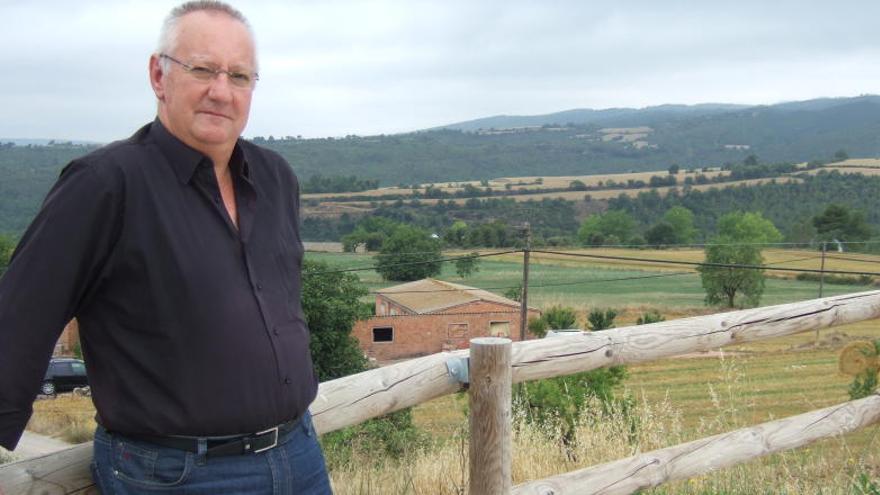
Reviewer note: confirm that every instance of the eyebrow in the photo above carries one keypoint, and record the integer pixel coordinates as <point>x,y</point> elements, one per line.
<point>208,61</point>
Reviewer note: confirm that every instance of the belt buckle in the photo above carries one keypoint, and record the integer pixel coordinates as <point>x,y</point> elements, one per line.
<point>274,441</point>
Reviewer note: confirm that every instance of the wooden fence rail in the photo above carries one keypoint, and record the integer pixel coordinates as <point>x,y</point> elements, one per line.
<point>709,454</point>
<point>356,398</point>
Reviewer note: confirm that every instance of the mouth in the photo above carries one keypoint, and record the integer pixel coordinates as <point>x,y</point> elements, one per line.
<point>215,114</point>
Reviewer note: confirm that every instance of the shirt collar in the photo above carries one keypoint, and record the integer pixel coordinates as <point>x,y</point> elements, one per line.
<point>185,160</point>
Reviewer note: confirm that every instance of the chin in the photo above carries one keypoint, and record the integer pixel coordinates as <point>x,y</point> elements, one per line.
<point>216,135</point>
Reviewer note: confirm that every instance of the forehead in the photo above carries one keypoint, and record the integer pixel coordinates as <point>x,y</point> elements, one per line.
<point>216,37</point>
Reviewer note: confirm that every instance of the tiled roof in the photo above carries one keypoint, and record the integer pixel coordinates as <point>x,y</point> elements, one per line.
<point>430,296</point>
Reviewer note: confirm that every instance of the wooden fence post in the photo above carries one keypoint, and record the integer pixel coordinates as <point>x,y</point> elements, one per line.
<point>490,416</point>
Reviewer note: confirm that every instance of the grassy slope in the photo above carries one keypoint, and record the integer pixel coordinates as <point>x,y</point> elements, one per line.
<point>752,383</point>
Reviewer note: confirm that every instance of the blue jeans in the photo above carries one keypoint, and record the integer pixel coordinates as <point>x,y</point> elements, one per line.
<point>123,465</point>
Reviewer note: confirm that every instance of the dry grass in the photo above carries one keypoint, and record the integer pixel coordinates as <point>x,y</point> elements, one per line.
<point>677,400</point>
<point>783,258</point>
<point>858,162</point>
<point>522,183</point>
<point>685,399</point>
<point>596,195</point>
<point>555,182</point>
<point>849,169</point>
<point>7,456</point>
<point>67,417</point>
<point>827,467</point>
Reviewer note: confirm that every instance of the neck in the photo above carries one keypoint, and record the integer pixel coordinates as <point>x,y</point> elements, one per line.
<point>219,154</point>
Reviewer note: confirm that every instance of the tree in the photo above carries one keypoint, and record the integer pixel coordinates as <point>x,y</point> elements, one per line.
<point>409,254</point>
<point>750,161</point>
<point>738,243</point>
<point>841,155</point>
<point>601,320</point>
<point>331,304</point>
<point>371,232</point>
<point>839,222</point>
<point>661,234</point>
<point>465,266</point>
<point>456,234</point>
<point>558,403</point>
<point>577,185</point>
<point>560,317</point>
<point>651,316</point>
<point>674,168</point>
<point>682,221</point>
<point>515,294</point>
<point>614,226</point>
<point>6,248</point>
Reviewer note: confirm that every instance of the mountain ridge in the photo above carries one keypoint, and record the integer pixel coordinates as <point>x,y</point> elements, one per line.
<point>616,115</point>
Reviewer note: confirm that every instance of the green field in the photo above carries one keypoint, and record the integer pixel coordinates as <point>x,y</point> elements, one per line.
<point>684,398</point>
<point>585,285</point>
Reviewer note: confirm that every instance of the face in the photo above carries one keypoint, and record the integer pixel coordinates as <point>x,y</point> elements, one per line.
<point>206,115</point>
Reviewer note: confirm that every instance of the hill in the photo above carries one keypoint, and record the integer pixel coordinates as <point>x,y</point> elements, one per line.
<point>611,117</point>
<point>598,141</point>
<point>586,142</point>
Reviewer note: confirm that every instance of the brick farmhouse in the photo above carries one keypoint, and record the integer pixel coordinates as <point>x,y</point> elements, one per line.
<point>429,316</point>
<point>68,340</point>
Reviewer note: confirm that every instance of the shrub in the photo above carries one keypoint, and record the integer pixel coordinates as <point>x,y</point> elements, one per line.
<point>836,279</point>
<point>390,437</point>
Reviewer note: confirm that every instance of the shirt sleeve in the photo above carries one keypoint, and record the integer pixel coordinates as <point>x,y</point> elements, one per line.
<point>56,265</point>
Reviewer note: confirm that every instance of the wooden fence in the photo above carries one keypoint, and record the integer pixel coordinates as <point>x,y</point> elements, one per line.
<point>356,398</point>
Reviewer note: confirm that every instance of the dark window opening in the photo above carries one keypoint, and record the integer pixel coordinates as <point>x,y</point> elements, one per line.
<point>383,334</point>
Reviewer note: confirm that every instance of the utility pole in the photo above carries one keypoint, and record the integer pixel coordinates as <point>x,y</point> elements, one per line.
<point>524,296</point>
<point>821,281</point>
<point>822,269</point>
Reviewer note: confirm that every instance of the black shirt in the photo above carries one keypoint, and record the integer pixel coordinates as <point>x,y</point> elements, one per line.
<point>188,325</point>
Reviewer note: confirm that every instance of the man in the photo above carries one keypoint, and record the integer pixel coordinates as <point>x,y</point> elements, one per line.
<point>178,251</point>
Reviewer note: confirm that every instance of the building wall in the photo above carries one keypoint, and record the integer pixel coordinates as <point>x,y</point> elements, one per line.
<point>68,340</point>
<point>420,335</point>
<point>386,307</point>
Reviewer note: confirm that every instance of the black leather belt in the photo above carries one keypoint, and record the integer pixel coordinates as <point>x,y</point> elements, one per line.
<point>252,443</point>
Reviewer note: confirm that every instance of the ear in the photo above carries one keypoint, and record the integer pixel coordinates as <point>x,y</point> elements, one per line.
<point>157,77</point>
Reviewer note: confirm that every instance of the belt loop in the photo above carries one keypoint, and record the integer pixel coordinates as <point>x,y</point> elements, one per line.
<point>202,453</point>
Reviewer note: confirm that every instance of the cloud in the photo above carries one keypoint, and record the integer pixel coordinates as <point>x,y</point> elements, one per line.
<point>340,67</point>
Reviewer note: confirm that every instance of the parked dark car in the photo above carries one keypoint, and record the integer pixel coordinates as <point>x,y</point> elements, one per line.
<point>64,375</point>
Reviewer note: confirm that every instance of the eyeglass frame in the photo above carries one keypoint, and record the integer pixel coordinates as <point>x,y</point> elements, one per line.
<point>198,70</point>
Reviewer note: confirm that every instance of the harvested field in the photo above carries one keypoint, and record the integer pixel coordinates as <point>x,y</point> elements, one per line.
<point>787,258</point>
<point>858,162</point>
<point>596,195</point>
<point>524,183</point>
<point>848,169</point>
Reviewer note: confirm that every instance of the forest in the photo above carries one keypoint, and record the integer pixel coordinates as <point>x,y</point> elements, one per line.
<point>493,222</point>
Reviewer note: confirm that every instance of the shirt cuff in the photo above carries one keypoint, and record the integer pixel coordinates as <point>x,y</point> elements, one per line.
<point>12,426</point>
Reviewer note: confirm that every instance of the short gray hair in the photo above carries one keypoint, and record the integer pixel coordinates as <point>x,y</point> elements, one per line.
<point>168,34</point>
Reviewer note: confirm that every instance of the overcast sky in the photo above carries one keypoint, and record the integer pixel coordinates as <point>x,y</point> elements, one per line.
<point>78,69</point>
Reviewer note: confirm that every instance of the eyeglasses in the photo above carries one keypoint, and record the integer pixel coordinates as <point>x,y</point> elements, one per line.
<point>238,79</point>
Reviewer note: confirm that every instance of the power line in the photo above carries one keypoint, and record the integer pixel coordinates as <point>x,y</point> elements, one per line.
<point>471,313</point>
<point>704,264</point>
<point>845,258</point>
<point>579,282</point>
<point>766,266</point>
<point>411,263</point>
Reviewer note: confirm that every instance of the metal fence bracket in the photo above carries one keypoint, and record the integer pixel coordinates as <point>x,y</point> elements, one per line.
<point>458,368</point>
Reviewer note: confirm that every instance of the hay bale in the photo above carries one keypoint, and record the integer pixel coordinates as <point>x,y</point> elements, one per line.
<point>858,357</point>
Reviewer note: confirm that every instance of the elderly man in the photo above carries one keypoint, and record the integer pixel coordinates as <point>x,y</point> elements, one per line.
<point>178,251</point>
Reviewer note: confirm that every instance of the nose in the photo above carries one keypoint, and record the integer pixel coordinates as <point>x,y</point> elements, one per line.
<point>220,89</point>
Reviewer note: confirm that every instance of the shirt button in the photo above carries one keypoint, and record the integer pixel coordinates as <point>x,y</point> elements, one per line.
<point>275,330</point>
<point>217,200</point>
<point>259,286</point>
<point>288,381</point>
